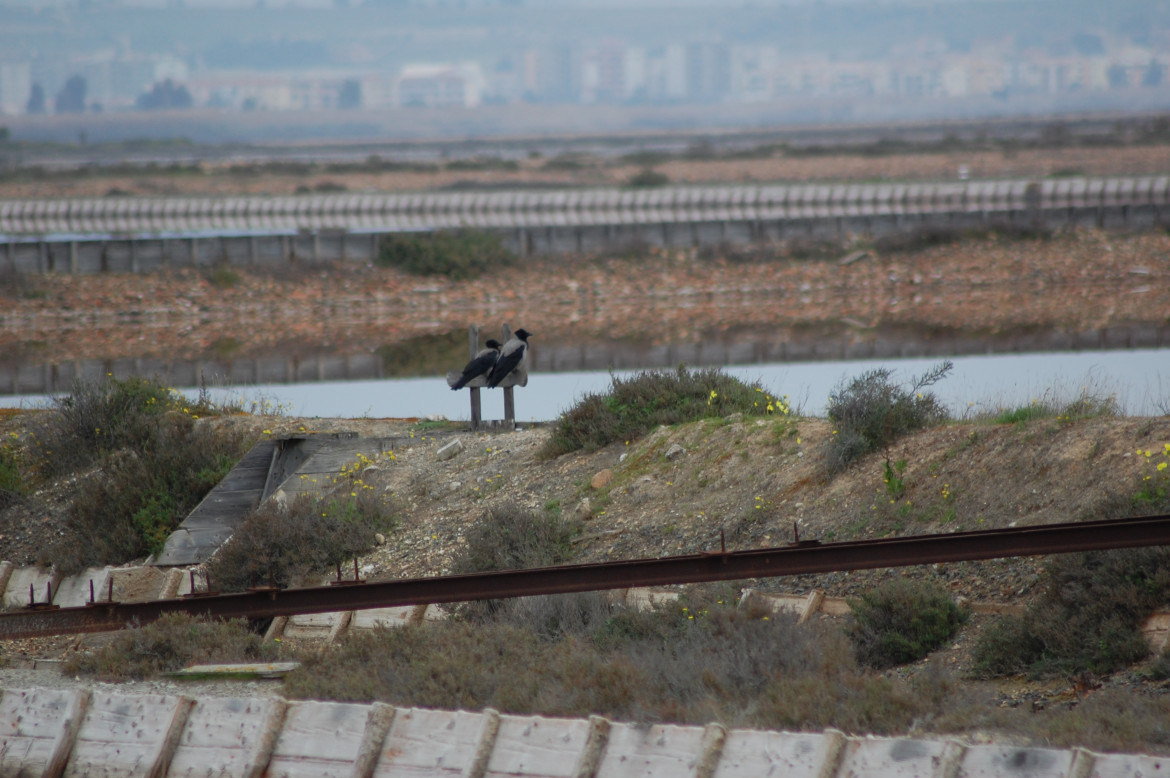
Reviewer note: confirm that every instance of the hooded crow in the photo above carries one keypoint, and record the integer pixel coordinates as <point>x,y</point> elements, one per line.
<point>481,364</point>
<point>512,356</point>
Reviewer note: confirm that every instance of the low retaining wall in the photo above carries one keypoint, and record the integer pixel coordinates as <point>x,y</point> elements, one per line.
<point>54,732</point>
<point>141,234</point>
<point>86,254</point>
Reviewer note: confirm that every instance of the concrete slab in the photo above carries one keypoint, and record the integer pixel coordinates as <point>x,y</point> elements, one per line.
<point>127,735</point>
<point>778,754</point>
<point>319,740</point>
<point>227,736</point>
<point>16,594</point>
<point>312,625</point>
<point>1010,762</point>
<point>37,727</point>
<point>76,590</point>
<point>537,746</point>
<point>431,744</point>
<point>659,751</point>
<point>883,757</point>
<point>1129,766</point>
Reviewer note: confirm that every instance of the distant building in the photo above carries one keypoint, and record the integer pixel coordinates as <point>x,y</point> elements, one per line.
<point>551,74</point>
<point>437,86</point>
<point>15,87</point>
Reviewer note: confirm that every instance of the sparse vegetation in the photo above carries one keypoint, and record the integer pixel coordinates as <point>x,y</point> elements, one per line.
<point>902,621</point>
<point>870,412</point>
<point>647,178</point>
<point>1086,405</point>
<point>173,642</point>
<point>12,480</point>
<point>285,542</point>
<point>457,255</point>
<point>1153,494</point>
<point>1087,619</point>
<point>509,537</point>
<point>635,405</point>
<point>590,656</point>
<point>143,464</point>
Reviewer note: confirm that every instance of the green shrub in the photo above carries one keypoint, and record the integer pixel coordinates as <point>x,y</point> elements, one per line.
<point>13,481</point>
<point>648,177</point>
<point>509,537</point>
<point>457,255</point>
<point>147,462</point>
<point>635,405</point>
<point>283,543</point>
<point>869,413</point>
<point>101,416</point>
<point>138,496</point>
<point>1088,618</point>
<point>173,642</point>
<point>902,621</point>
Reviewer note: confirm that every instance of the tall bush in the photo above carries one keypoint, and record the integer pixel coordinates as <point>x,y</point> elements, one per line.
<point>457,255</point>
<point>870,412</point>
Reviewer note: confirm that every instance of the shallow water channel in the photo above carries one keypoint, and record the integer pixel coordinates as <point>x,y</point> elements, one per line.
<point>1139,379</point>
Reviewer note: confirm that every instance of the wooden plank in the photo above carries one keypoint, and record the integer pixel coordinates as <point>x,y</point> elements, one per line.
<point>538,747</point>
<point>224,506</point>
<point>244,479</point>
<point>658,750</point>
<point>37,729</point>
<point>241,670</point>
<point>228,736</point>
<point>259,456</point>
<point>748,752</point>
<point>320,740</point>
<point>127,735</point>
<point>431,744</point>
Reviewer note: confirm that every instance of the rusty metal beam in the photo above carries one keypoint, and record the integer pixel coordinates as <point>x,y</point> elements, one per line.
<point>796,559</point>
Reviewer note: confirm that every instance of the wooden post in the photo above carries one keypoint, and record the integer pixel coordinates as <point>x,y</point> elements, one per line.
<point>473,338</point>
<point>509,398</point>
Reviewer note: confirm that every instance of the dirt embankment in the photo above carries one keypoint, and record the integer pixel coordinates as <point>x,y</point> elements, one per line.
<point>221,179</point>
<point>1073,283</point>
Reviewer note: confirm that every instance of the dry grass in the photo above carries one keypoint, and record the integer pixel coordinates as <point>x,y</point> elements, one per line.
<point>171,643</point>
<point>692,663</point>
<point>284,543</point>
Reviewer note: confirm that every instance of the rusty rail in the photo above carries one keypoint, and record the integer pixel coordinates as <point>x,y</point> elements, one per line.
<point>795,559</point>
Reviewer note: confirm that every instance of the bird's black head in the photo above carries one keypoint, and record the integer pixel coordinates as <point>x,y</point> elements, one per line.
<point>492,343</point>
<point>523,335</point>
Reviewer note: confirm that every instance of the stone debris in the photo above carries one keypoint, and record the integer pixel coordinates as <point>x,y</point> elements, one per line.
<point>449,450</point>
<point>601,479</point>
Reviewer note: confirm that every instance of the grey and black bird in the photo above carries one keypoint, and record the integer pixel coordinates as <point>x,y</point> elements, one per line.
<point>512,356</point>
<point>481,364</point>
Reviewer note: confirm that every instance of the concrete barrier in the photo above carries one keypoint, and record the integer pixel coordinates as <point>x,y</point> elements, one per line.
<point>127,735</point>
<point>323,227</point>
<point>228,736</point>
<point>76,732</point>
